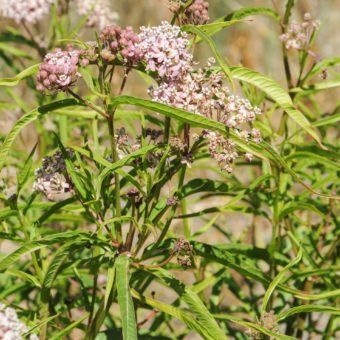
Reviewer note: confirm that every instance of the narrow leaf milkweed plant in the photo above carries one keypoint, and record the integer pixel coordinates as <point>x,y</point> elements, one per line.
<point>163,194</point>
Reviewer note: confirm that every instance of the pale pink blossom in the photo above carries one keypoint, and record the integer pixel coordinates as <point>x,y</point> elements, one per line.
<point>59,70</point>
<point>165,51</point>
<point>30,11</point>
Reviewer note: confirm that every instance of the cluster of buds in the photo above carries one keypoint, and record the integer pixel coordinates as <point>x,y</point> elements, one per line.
<point>135,196</point>
<point>89,53</point>
<point>30,11</point>
<point>197,13</point>
<point>52,179</point>
<point>174,5</point>
<point>298,35</point>
<point>11,328</point>
<point>222,149</point>
<point>98,12</point>
<point>267,321</point>
<point>164,50</point>
<point>59,70</point>
<point>153,134</point>
<point>184,251</point>
<point>177,144</point>
<point>120,41</point>
<point>127,145</point>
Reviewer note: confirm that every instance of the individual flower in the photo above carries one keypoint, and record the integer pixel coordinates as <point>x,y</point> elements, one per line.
<point>197,13</point>
<point>297,35</point>
<point>165,51</point>
<point>59,70</point>
<point>30,11</point>
<point>52,179</point>
<point>120,41</point>
<point>99,12</point>
<point>11,328</point>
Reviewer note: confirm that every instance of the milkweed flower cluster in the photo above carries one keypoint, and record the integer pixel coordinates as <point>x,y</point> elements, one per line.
<point>52,179</point>
<point>298,35</point>
<point>99,12</point>
<point>11,328</point>
<point>124,41</point>
<point>165,51</point>
<point>59,70</point>
<point>203,92</point>
<point>197,13</point>
<point>30,11</point>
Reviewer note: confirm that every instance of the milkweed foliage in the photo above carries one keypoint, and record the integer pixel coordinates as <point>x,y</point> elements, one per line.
<point>162,198</point>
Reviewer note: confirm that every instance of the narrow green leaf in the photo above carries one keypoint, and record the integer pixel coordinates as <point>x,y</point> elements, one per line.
<point>15,52</point>
<point>68,329</point>
<point>277,280</point>
<point>27,119</point>
<point>24,276</point>
<point>125,302</point>
<point>22,75</point>
<point>308,309</point>
<point>195,304</point>
<point>249,11</point>
<point>180,314</point>
<point>277,93</point>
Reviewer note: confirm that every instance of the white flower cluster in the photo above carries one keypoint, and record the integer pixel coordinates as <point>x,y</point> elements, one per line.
<point>99,12</point>
<point>11,328</point>
<point>30,11</point>
<point>298,35</point>
<point>165,51</point>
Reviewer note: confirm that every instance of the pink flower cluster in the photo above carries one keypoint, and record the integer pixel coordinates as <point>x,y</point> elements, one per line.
<point>165,51</point>
<point>25,10</point>
<point>98,12</point>
<point>222,149</point>
<point>202,92</point>
<point>197,13</point>
<point>124,41</point>
<point>11,328</point>
<point>298,35</point>
<point>59,70</point>
<point>238,111</point>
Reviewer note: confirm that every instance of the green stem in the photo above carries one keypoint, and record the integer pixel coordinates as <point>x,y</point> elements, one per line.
<point>186,225</point>
<point>118,226</point>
